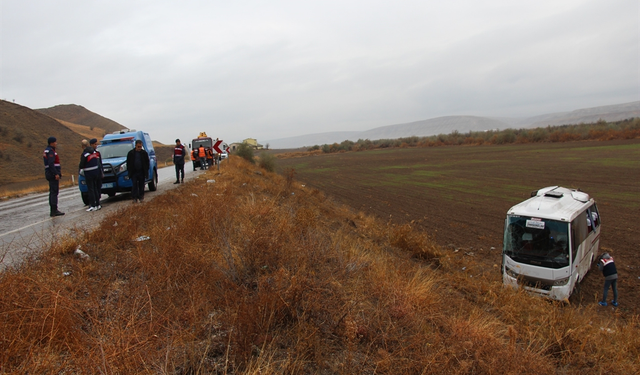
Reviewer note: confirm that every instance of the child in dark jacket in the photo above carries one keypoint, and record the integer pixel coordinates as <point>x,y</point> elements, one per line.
<point>608,268</point>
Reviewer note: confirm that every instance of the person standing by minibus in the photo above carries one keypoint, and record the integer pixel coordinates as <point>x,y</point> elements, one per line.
<point>608,268</point>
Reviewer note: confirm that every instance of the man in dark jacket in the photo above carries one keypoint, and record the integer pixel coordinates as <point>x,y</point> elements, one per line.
<point>178,160</point>
<point>138,170</point>
<point>91,168</point>
<point>610,273</point>
<point>53,173</point>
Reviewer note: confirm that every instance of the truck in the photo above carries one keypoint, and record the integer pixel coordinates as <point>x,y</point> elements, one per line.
<point>202,140</point>
<point>113,149</point>
<point>550,242</point>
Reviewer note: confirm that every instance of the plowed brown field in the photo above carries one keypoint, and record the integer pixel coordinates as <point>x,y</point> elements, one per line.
<point>460,195</point>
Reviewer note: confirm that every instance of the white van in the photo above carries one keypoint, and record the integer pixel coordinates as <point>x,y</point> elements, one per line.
<point>550,241</point>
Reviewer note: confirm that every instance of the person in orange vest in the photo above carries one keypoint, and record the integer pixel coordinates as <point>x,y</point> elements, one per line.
<point>209,156</point>
<point>202,155</point>
<point>194,154</point>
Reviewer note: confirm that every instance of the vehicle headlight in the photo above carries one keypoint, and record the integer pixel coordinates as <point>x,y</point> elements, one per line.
<point>561,282</point>
<point>510,272</point>
<point>121,168</point>
<point>83,182</point>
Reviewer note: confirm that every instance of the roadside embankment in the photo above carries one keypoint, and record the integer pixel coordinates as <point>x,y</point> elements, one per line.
<point>247,271</point>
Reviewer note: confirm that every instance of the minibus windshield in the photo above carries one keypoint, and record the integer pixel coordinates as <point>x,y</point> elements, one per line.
<point>539,242</point>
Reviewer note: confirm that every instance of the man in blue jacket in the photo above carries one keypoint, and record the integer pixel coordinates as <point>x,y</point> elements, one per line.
<point>90,168</point>
<point>53,173</point>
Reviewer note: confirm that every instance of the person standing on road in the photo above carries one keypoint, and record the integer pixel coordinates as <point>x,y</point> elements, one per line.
<point>178,160</point>
<point>608,268</point>
<point>202,155</point>
<point>90,169</point>
<point>210,157</point>
<point>53,173</point>
<point>138,169</point>
<point>194,158</point>
<point>94,144</point>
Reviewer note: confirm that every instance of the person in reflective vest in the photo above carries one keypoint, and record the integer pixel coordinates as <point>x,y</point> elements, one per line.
<point>178,160</point>
<point>202,155</point>
<point>90,169</point>
<point>94,143</point>
<point>209,156</point>
<point>608,268</point>
<point>53,173</point>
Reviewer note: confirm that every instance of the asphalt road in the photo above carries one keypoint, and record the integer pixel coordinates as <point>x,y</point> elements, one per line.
<point>26,228</point>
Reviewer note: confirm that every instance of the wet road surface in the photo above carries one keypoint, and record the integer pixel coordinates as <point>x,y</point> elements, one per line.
<point>26,228</point>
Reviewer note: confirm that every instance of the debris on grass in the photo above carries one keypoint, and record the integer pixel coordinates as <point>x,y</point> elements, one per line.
<point>81,254</point>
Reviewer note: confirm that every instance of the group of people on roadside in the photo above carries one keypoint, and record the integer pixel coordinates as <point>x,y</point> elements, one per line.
<point>205,156</point>
<point>91,168</point>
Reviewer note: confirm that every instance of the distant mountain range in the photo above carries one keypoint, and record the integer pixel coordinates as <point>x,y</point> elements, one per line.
<point>463,124</point>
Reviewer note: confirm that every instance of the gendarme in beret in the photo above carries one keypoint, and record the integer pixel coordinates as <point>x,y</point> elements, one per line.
<point>51,140</point>
<point>92,141</point>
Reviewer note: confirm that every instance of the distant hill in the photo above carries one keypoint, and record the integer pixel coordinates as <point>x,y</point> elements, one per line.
<point>79,115</point>
<point>164,153</point>
<point>309,140</point>
<point>23,138</point>
<point>463,124</point>
<point>439,125</point>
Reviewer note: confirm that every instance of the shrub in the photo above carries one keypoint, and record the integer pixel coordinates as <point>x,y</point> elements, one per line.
<point>267,162</point>
<point>245,151</point>
<point>601,130</point>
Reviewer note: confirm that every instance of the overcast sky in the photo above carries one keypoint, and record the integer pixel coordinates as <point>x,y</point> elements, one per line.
<point>275,69</point>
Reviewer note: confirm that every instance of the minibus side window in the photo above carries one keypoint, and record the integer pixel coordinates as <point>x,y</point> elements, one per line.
<point>594,215</point>
<point>579,232</point>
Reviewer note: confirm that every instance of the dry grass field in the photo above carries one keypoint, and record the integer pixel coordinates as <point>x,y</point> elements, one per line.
<point>257,274</point>
<point>87,132</point>
<point>460,195</point>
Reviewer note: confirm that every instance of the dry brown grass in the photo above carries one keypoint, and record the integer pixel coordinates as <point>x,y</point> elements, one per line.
<point>84,130</point>
<point>283,280</point>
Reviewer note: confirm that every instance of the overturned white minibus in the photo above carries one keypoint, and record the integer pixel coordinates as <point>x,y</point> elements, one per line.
<point>550,241</point>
